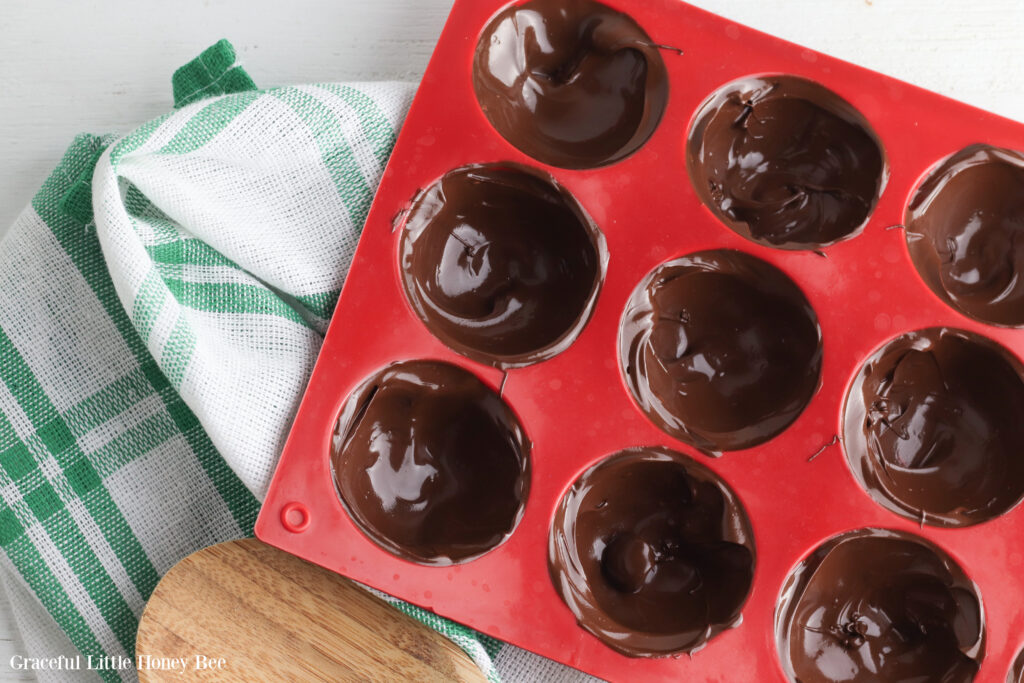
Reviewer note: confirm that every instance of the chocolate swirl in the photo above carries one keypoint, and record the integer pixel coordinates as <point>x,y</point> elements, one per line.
<point>430,463</point>
<point>501,263</point>
<point>571,83</point>
<point>785,162</point>
<point>652,552</point>
<point>875,605</point>
<point>933,428</point>
<point>963,228</point>
<point>720,349</point>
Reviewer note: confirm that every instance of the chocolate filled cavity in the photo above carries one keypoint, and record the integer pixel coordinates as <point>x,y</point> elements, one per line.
<point>933,428</point>
<point>652,552</point>
<point>571,83</point>
<point>430,463</point>
<point>785,162</point>
<point>1016,672</point>
<point>875,605</point>
<point>720,350</point>
<point>963,227</point>
<point>501,264</point>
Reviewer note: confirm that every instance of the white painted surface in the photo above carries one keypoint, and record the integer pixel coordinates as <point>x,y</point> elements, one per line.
<point>9,647</point>
<point>105,66</point>
<point>100,67</point>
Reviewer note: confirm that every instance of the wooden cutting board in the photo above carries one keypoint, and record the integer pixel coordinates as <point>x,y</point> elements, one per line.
<point>257,613</point>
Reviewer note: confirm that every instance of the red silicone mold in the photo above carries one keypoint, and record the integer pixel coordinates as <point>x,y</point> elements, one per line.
<point>575,407</point>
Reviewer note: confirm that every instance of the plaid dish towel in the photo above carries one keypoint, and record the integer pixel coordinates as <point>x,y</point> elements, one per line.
<point>162,302</point>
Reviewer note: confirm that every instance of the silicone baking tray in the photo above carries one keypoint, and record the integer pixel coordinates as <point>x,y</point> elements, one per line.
<point>575,407</point>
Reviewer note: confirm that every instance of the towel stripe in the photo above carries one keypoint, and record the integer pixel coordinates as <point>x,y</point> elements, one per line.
<point>88,259</point>
<point>70,463</point>
<point>53,475</point>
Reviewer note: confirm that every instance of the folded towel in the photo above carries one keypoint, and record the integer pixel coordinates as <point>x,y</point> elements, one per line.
<point>162,302</point>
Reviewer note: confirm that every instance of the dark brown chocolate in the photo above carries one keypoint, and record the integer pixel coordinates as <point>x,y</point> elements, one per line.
<point>572,83</point>
<point>501,263</point>
<point>785,162</point>
<point>1016,672</point>
<point>720,349</point>
<point>430,463</point>
<point>875,605</point>
<point>652,552</point>
<point>933,428</point>
<point>963,228</point>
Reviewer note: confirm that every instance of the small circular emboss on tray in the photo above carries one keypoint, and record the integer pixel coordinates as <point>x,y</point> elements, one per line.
<point>876,605</point>
<point>965,233</point>
<point>652,552</point>
<point>571,83</point>
<point>430,463</point>
<point>785,162</point>
<point>934,427</point>
<point>720,349</point>
<point>501,263</point>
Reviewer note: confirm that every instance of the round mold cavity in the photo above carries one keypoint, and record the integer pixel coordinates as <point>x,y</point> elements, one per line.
<point>932,427</point>
<point>430,463</point>
<point>785,162</point>
<point>652,552</point>
<point>965,233</point>
<point>501,263</point>
<point>872,605</point>
<point>720,350</point>
<point>570,83</point>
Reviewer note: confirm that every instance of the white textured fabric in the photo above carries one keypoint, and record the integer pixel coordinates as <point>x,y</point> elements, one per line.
<point>40,635</point>
<point>265,200</point>
<point>262,194</point>
<point>152,358</point>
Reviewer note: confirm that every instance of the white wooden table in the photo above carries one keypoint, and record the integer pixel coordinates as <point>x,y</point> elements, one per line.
<point>8,645</point>
<point>105,66</point>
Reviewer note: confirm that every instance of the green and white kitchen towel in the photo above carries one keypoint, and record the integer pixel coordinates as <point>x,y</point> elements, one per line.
<point>162,302</point>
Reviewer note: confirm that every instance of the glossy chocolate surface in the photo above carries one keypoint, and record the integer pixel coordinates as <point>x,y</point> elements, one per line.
<point>785,162</point>
<point>720,349</point>
<point>501,263</point>
<point>965,233</point>
<point>430,463</point>
<point>1016,672</point>
<point>652,553</point>
<point>874,605</point>
<point>933,428</point>
<point>571,83</point>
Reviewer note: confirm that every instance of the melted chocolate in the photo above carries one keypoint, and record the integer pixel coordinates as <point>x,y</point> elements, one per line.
<point>963,228</point>
<point>934,429</point>
<point>652,553</point>
<point>572,83</point>
<point>1016,672</point>
<point>875,605</point>
<point>501,263</point>
<point>720,349</point>
<point>785,162</point>
<point>430,463</point>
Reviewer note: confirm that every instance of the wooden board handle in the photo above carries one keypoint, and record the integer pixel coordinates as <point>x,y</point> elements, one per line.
<point>257,613</point>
